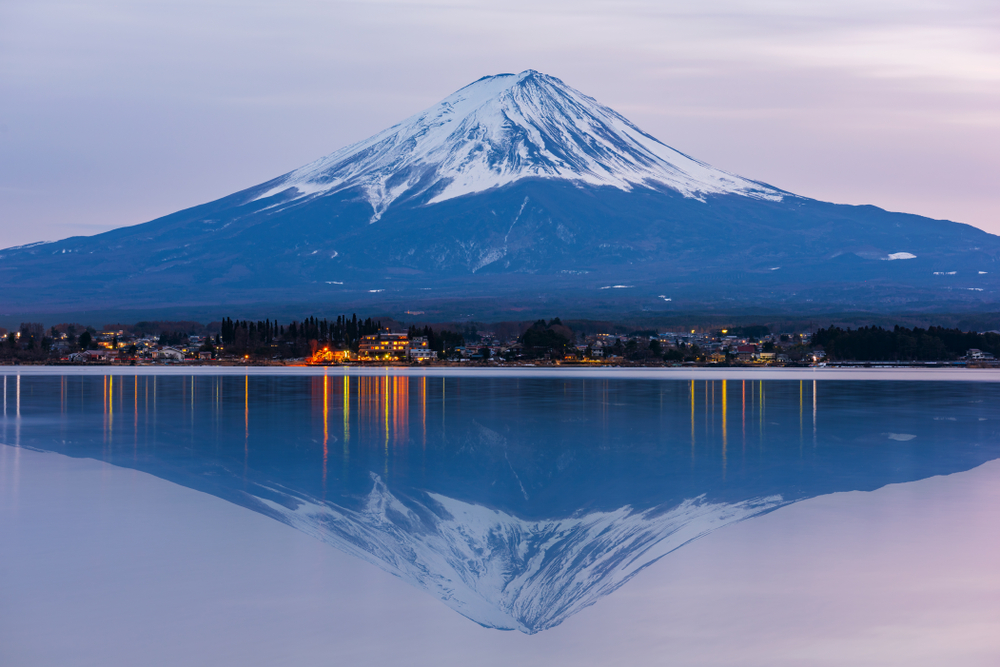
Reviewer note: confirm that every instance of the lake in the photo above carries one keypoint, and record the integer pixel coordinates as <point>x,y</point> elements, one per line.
<point>262,517</point>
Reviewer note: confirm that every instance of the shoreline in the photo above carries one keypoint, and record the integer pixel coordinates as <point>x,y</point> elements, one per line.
<point>640,373</point>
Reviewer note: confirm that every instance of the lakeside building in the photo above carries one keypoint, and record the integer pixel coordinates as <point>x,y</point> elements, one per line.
<point>169,353</point>
<point>419,349</point>
<point>328,356</point>
<point>384,345</point>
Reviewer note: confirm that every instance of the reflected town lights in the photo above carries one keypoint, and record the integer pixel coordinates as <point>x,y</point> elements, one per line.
<point>347,417</point>
<point>326,424</point>
<point>725,440</point>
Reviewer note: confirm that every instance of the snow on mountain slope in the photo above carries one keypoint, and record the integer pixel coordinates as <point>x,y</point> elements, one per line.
<point>501,571</point>
<point>501,129</point>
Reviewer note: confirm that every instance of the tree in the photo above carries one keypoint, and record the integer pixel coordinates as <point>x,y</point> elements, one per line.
<point>552,339</point>
<point>86,340</point>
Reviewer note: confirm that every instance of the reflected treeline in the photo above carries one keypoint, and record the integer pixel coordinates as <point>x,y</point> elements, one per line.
<point>517,501</point>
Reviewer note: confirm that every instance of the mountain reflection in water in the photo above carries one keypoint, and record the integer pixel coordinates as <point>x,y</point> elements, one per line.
<point>516,501</point>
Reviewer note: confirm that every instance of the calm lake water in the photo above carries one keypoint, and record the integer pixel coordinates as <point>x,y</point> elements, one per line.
<point>517,503</point>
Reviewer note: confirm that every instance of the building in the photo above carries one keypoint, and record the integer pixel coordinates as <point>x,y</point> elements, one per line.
<point>746,352</point>
<point>168,353</point>
<point>384,345</point>
<point>91,355</point>
<point>328,356</point>
<point>420,350</point>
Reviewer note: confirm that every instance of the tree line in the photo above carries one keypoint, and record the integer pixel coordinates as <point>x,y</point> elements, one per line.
<point>902,344</point>
<point>297,338</point>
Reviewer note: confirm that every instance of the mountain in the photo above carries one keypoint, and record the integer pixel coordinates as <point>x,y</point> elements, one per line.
<point>515,194</point>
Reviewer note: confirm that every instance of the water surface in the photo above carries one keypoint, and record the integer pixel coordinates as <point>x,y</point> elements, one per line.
<point>516,501</point>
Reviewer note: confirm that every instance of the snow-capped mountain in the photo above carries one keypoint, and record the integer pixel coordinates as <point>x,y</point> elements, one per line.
<point>502,571</point>
<point>521,176</point>
<point>499,130</point>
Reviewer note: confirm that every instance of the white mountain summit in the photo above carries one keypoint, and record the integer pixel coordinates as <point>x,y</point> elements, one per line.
<point>501,129</point>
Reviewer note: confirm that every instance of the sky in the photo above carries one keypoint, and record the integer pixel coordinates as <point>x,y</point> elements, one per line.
<point>116,112</point>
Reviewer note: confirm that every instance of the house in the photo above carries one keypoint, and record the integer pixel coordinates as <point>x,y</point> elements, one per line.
<point>91,355</point>
<point>419,349</point>
<point>746,352</point>
<point>978,355</point>
<point>421,354</point>
<point>326,356</point>
<point>170,353</point>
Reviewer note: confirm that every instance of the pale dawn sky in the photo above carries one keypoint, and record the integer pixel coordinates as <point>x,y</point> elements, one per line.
<point>115,112</point>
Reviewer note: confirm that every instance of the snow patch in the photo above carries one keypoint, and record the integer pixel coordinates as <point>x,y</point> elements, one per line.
<point>617,287</point>
<point>901,437</point>
<point>900,255</point>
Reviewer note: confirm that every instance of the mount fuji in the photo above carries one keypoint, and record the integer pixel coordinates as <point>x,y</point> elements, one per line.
<point>515,194</point>
<point>504,129</point>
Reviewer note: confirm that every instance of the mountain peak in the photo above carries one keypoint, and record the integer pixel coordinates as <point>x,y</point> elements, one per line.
<point>498,130</point>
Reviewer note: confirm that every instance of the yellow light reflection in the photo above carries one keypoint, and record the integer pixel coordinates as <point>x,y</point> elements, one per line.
<point>246,424</point>
<point>814,413</point>
<point>760,414</point>
<point>744,415</point>
<point>326,424</point>
<point>384,389</point>
<point>725,441</point>
<point>691,391</point>
<point>347,417</point>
